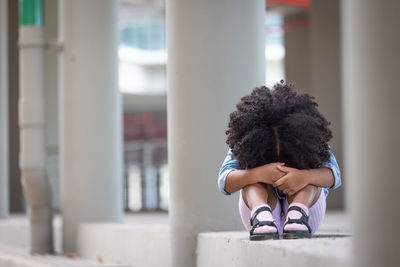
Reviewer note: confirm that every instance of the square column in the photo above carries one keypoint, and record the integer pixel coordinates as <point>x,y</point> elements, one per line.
<point>215,56</point>
<point>371,94</point>
<point>90,116</point>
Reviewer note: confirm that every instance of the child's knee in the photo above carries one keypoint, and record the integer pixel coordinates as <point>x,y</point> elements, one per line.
<point>309,194</point>
<point>312,189</point>
<point>259,190</point>
<point>257,186</point>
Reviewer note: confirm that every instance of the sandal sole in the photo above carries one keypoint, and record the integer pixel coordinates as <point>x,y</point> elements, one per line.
<point>264,237</point>
<point>296,235</point>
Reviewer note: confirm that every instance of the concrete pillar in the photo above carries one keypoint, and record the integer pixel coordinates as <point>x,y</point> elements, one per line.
<point>4,202</point>
<point>297,51</point>
<point>371,79</point>
<point>17,203</point>
<point>326,78</point>
<point>215,56</point>
<point>90,116</point>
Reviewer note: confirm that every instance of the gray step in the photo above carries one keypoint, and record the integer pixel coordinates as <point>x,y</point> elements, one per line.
<point>12,256</point>
<point>234,249</point>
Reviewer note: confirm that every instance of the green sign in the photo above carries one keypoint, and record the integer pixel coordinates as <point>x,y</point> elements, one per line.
<point>31,13</point>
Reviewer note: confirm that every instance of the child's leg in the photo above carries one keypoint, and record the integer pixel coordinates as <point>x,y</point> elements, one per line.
<point>312,200</point>
<point>259,194</point>
<point>254,196</point>
<point>307,196</point>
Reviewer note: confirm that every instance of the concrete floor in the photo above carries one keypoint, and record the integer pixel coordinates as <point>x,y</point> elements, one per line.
<point>143,240</point>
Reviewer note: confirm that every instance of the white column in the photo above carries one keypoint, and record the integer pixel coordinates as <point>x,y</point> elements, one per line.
<point>4,202</point>
<point>90,116</point>
<point>371,95</point>
<point>215,56</point>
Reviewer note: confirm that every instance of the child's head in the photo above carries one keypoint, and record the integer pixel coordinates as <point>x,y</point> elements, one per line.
<point>278,125</point>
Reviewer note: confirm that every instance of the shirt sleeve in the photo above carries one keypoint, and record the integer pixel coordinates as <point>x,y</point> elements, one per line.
<point>229,164</point>
<point>333,165</point>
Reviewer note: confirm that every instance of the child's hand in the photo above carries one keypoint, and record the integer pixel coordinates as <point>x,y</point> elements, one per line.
<point>268,173</point>
<point>293,181</point>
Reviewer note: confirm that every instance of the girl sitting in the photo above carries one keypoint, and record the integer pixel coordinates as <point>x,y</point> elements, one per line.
<point>280,160</point>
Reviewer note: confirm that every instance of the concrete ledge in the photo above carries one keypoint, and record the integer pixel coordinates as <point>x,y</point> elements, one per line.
<point>14,231</point>
<point>234,249</point>
<point>141,240</point>
<point>330,246</point>
<point>18,257</point>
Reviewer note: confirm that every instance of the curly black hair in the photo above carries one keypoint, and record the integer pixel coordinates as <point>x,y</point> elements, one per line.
<point>278,125</point>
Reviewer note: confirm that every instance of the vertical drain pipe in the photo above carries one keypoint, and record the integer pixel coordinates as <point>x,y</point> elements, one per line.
<point>31,111</point>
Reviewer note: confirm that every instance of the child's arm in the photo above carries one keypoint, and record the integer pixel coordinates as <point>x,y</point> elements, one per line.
<point>296,179</point>
<point>321,177</point>
<point>231,178</point>
<point>238,179</point>
<point>327,176</point>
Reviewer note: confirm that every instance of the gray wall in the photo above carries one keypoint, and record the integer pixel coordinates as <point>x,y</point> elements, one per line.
<point>312,62</point>
<point>325,69</point>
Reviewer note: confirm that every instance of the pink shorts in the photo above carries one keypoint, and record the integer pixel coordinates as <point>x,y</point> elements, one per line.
<point>317,213</point>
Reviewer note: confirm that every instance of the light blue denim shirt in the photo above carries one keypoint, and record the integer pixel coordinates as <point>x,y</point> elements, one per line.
<point>230,164</point>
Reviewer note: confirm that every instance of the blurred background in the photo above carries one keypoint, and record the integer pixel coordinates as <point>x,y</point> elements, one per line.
<point>142,58</point>
<point>113,118</point>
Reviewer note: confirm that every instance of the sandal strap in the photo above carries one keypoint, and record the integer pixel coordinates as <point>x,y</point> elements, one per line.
<point>304,219</point>
<point>297,208</point>
<point>255,223</point>
<point>263,223</point>
<point>254,220</point>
